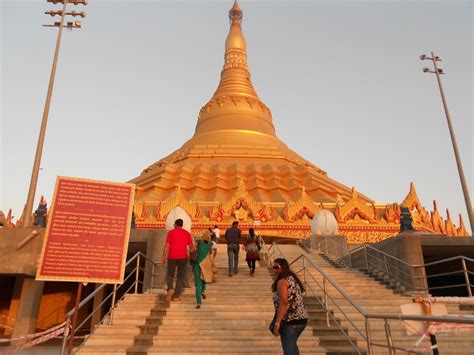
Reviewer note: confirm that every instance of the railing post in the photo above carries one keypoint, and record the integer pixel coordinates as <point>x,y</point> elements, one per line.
<point>466,276</point>
<point>152,277</point>
<point>137,272</point>
<point>65,335</point>
<point>368,336</point>
<point>388,334</point>
<point>366,258</point>
<point>113,305</point>
<point>349,256</point>
<point>326,302</point>
<point>425,280</point>
<point>386,266</point>
<point>304,274</point>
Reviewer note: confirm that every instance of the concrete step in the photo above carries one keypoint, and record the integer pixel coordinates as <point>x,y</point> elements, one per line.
<point>202,341</point>
<point>242,349</point>
<point>230,323</point>
<point>211,330</point>
<point>220,322</point>
<point>219,315</point>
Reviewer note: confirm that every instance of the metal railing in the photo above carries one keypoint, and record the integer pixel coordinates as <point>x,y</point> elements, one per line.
<point>134,282</point>
<point>330,304</point>
<point>396,271</point>
<point>332,247</point>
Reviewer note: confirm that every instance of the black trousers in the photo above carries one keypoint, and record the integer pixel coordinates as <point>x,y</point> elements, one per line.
<point>251,264</point>
<point>180,264</point>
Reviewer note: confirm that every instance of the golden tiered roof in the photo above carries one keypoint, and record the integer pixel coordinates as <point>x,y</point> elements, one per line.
<point>236,168</point>
<point>235,143</point>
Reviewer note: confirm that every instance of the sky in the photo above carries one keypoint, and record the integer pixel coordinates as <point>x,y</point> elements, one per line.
<point>343,80</point>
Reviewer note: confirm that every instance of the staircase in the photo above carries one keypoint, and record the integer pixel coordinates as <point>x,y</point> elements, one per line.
<point>374,297</point>
<point>233,319</point>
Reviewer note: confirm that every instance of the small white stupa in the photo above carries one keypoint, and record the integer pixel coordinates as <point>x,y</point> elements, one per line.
<point>176,213</point>
<point>324,223</point>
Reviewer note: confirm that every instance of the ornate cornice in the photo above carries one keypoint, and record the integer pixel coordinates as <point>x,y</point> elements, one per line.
<point>237,101</point>
<point>178,199</point>
<point>437,221</point>
<point>242,205</point>
<point>355,207</point>
<point>235,59</point>
<point>412,202</point>
<point>304,205</point>
<point>451,231</point>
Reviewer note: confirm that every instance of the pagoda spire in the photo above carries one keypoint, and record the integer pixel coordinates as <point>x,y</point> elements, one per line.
<point>235,75</point>
<point>235,105</point>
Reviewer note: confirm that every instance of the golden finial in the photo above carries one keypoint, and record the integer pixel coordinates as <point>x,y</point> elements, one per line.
<point>235,14</point>
<point>235,39</point>
<point>448,215</point>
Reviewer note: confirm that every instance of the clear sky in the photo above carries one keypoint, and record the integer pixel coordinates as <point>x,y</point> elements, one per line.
<point>342,78</point>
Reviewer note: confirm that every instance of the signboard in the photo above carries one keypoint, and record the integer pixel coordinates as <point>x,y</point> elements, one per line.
<point>86,238</point>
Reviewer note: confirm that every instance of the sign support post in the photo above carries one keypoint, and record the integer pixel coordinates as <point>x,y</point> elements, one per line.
<point>74,317</point>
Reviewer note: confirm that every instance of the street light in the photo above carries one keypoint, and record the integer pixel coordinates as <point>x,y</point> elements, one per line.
<point>438,71</point>
<point>44,121</point>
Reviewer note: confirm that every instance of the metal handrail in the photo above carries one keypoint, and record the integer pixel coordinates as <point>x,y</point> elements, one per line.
<point>333,283</point>
<point>397,270</point>
<point>138,257</point>
<point>363,313</point>
<point>323,304</point>
<point>407,264</point>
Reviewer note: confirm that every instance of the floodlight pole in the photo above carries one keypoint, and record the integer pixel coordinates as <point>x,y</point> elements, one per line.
<point>465,189</point>
<point>44,121</point>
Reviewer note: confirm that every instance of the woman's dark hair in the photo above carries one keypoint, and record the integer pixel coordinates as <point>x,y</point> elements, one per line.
<point>251,232</point>
<point>285,272</point>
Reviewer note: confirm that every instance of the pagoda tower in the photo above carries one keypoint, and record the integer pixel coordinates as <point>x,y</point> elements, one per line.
<point>236,168</point>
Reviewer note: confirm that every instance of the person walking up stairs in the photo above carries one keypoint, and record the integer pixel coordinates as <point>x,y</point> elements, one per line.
<point>233,319</point>
<point>374,298</point>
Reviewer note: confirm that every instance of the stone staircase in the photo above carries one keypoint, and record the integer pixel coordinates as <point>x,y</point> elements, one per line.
<point>373,297</point>
<point>233,319</point>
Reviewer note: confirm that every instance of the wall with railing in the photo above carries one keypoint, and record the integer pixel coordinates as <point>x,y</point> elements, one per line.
<point>451,276</point>
<point>103,300</point>
<point>357,320</point>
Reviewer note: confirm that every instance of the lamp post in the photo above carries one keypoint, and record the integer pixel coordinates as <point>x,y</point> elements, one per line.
<point>44,121</point>
<point>438,71</point>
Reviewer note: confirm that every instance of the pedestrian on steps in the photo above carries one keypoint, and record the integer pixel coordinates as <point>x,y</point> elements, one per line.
<point>202,268</point>
<point>291,315</point>
<point>232,237</point>
<point>178,245</point>
<point>214,241</point>
<point>251,248</point>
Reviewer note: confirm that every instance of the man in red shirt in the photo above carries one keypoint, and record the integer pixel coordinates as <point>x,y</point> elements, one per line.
<point>178,246</point>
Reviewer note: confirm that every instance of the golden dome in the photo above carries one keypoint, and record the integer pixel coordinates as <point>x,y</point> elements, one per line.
<point>235,148</point>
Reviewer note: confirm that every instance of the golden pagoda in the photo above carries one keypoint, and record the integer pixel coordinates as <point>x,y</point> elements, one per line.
<point>236,168</point>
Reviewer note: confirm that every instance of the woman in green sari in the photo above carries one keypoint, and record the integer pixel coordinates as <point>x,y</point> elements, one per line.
<point>203,246</point>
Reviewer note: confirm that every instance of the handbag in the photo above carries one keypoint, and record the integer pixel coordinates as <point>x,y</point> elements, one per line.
<point>193,257</point>
<point>271,327</point>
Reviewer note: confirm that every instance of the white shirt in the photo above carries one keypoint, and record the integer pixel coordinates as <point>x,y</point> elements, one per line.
<point>217,232</point>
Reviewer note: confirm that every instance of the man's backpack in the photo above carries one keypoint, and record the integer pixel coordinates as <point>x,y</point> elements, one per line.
<point>252,245</point>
